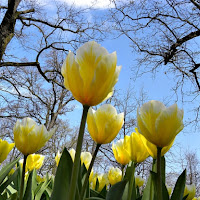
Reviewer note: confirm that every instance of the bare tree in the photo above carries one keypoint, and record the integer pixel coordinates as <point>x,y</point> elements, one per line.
<point>166,33</point>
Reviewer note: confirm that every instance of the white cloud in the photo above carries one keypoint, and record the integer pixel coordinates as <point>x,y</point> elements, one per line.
<point>101,4</point>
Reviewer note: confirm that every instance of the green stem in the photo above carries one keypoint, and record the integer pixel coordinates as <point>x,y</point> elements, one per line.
<point>159,174</point>
<point>75,170</point>
<point>122,168</point>
<point>88,172</point>
<point>22,180</point>
<point>130,188</point>
<point>154,169</point>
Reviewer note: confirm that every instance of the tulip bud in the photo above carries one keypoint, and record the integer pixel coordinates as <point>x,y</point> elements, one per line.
<point>29,137</point>
<point>104,124</point>
<point>114,175</point>
<point>158,124</point>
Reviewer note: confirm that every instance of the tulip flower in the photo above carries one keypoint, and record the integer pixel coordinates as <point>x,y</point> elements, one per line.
<point>92,74</point>
<point>34,161</point>
<point>114,175</point>
<point>93,179</point>
<point>190,190</point>
<point>103,181</point>
<point>104,124</point>
<point>72,153</point>
<point>120,152</point>
<point>57,158</point>
<point>40,179</point>
<point>5,149</point>
<point>29,137</point>
<point>151,148</point>
<point>135,147</point>
<point>86,158</point>
<point>139,181</point>
<point>159,124</point>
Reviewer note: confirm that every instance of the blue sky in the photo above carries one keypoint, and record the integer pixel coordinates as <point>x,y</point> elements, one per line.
<point>157,88</point>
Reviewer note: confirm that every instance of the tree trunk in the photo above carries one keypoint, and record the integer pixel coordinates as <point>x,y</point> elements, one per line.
<point>8,25</point>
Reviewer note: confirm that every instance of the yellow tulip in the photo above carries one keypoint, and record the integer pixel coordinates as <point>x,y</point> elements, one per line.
<point>93,180</point>
<point>86,158</point>
<point>159,124</point>
<point>72,153</point>
<point>104,124</point>
<point>139,181</point>
<point>92,74</point>
<point>29,137</point>
<point>136,148</point>
<point>57,158</point>
<point>40,179</point>
<point>120,152</point>
<point>191,190</point>
<point>114,175</point>
<point>103,181</point>
<point>34,161</point>
<point>152,149</point>
<point>5,149</point>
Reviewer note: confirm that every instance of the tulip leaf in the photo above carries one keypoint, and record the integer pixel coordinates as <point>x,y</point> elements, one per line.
<point>8,181</point>
<point>165,192</point>
<point>5,170</point>
<point>63,177</point>
<point>149,191</point>
<point>94,198</point>
<point>13,196</point>
<point>116,191</point>
<point>28,193</point>
<point>179,187</point>
<point>43,187</point>
<point>94,193</point>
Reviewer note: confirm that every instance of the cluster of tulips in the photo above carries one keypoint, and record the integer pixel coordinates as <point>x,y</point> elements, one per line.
<point>91,76</point>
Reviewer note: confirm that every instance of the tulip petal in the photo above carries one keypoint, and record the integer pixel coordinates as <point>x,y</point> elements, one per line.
<point>91,124</point>
<point>169,123</point>
<point>73,80</point>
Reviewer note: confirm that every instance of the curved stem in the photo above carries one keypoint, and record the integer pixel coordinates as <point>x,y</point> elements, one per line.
<point>130,188</point>
<point>88,172</point>
<point>75,170</point>
<point>159,174</point>
<point>22,180</point>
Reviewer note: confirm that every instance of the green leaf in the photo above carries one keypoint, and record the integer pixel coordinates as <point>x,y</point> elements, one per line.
<point>116,191</point>
<point>6,169</point>
<point>179,187</point>
<point>103,192</point>
<point>8,181</point>
<point>149,190</point>
<point>29,192</point>
<point>94,193</point>
<point>63,177</point>
<point>165,192</point>
<point>13,196</point>
<point>94,198</point>
<point>42,189</point>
